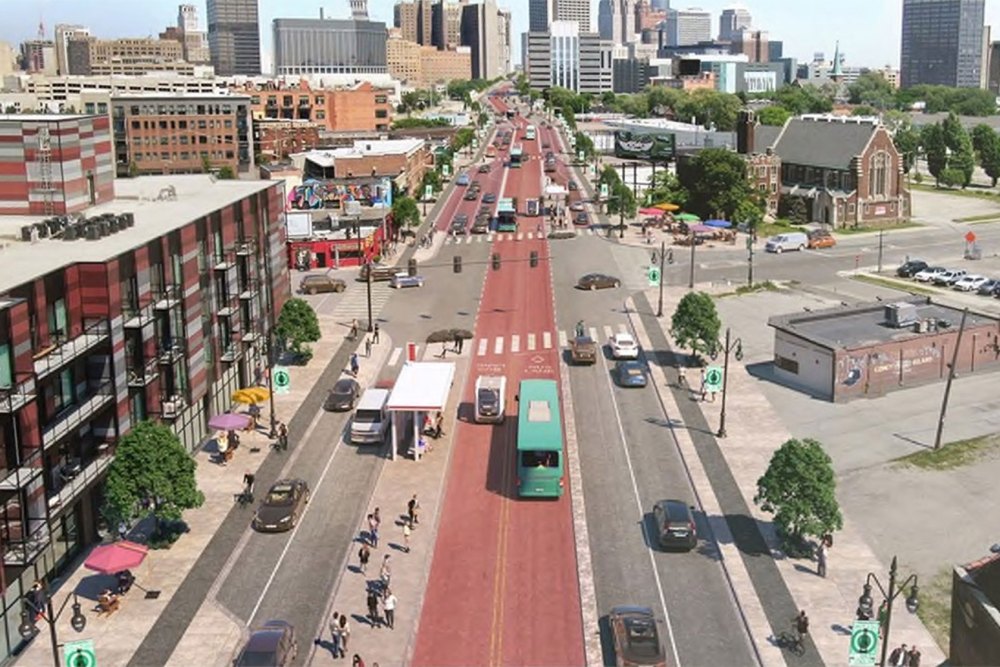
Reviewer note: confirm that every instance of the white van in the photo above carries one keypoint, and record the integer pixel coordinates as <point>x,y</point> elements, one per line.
<point>370,424</point>
<point>788,241</point>
<point>490,392</point>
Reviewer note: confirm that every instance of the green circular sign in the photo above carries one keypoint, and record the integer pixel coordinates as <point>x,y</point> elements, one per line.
<point>281,378</point>
<point>713,376</point>
<point>864,640</point>
<point>81,658</point>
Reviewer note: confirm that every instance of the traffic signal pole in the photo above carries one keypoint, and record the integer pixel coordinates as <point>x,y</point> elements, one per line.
<point>663,252</point>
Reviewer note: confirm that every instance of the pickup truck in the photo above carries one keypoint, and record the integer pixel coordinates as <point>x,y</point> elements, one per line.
<point>490,391</point>
<point>583,350</point>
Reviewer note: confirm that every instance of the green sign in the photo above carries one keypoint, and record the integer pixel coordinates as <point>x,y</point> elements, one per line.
<point>282,380</point>
<point>654,276</point>
<point>446,169</point>
<point>80,653</point>
<point>864,644</point>
<point>428,192</point>
<point>475,143</point>
<point>713,378</point>
<point>581,156</point>
<point>644,146</point>
<point>604,190</point>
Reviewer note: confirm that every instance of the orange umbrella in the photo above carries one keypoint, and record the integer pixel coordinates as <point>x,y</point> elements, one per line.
<point>667,206</point>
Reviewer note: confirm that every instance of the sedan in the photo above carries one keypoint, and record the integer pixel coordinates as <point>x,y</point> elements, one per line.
<point>282,506</point>
<point>406,280</point>
<point>636,637</point>
<point>272,644</point>
<point>316,284</point>
<point>929,274</point>
<point>630,374</point>
<point>484,169</point>
<point>576,206</point>
<point>623,346</point>
<point>911,268</point>
<point>949,277</point>
<point>821,239</point>
<point>989,288</point>
<point>489,198</point>
<point>471,195</point>
<point>573,186</point>
<point>969,283</point>
<point>581,219</point>
<point>463,179</point>
<point>457,228</point>
<point>594,281</point>
<point>343,396</point>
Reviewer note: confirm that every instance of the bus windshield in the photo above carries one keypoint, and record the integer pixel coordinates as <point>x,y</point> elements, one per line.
<point>529,133</point>
<point>539,440</point>
<point>516,155</point>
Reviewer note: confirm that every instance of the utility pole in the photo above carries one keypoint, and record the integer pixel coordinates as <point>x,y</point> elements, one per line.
<point>750,239</point>
<point>659,305</point>
<point>621,207</point>
<point>951,377</point>
<point>880,233</point>
<point>691,277</point>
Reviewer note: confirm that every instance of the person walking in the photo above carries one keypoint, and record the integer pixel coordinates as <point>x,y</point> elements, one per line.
<point>413,511</point>
<point>385,572</point>
<point>914,657</point>
<point>703,390</point>
<point>356,661</point>
<point>375,337</point>
<point>354,329</point>
<point>406,537</point>
<point>364,553</point>
<point>389,604</point>
<point>373,614</point>
<point>283,437</point>
<point>345,634</point>
<point>355,366</point>
<point>821,558</point>
<point>899,656</point>
<point>335,634</point>
<point>373,531</point>
<point>368,347</point>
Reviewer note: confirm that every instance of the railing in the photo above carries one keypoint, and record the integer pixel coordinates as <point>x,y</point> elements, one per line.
<point>23,550</point>
<point>61,354</point>
<point>19,477</point>
<point>171,408</point>
<point>169,296</point>
<point>249,290</point>
<point>244,248</point>
<point>223,262</point>
<point>17,396</point>
<point>140,377</point>
<point>75,415</point>
<point>90,472</point>
<point>170,352</point>
<point>136,317</point>
<point>231,353</point>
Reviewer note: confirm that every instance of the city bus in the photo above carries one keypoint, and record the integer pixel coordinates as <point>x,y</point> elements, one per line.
<point>529,133</point>
<point>491,151</point>
<point>516,155</point>
<point>532,207</point>
<point>506,215</point>
<point>539,440</point>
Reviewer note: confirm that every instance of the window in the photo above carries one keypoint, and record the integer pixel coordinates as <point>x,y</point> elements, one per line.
<point>785,364</point>
<point>850,209</point>
<point>136,125</point>
<point>318,99</point>
<point>381,113</point>
<point>6,366</point>
<point>878,174</point>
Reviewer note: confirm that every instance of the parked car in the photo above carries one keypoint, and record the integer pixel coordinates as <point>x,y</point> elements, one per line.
<point>581,219</point>
<point>820,238</point>
<point>623,346</point>
<point>929,274</point>
<point>949,277</point>
<point>489,198</point>
<point>990,288</point>
<point>675,525</point>
<point>462,179</point>
<point>272,644</point>
<point>630,374</point>
<point>594,281</point>
<point>636,637</point>
<point>343,396</point>
<point>969,283</point>
<point>317,284</point>
<point>401,280</point>
<point>787,241</point>
<point>281,508</point>
<point>911,268</point>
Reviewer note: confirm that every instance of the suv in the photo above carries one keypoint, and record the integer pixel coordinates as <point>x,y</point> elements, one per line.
<point>317,284</point>
<point>583,350</point>
<point>675,527</point>
<point>820,238</point>
<point>911,268</point>
<point>379,272</point>
<point>949,277</point>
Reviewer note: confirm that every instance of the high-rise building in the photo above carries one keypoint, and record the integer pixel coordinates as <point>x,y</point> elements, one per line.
<point>731,21</point>
<point>504,26</point>
<point>566,57</point>
<point>751,43</point>
<point>541,13</point>
<point>38,56</point>
<point>481,33</point>
<point>775,50</point>
<point>87,56</point>
<point>942,43</point>
<point>422,66</point>
<point>328,46</point>
<point>234,37</point>
<point>359,10</point>
<point>687,26</point>
<point>193,38</point>
<point>404,17</point>
<point>64,33</point>
<point>616,20</point>
<point>8,60</point>
<point>446,24</point>
<point>660,5</point>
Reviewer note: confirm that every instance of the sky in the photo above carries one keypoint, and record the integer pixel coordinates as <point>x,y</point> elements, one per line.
<point>868,30</point>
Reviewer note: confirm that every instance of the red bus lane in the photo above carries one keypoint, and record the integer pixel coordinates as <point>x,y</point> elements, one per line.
<point>503,586</point>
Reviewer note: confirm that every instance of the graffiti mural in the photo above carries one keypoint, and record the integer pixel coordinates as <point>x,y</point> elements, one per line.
<point>313,194</point>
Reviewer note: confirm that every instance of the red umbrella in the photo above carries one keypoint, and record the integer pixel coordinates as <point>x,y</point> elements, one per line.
<point>115,557</point>
<point>651,211</point>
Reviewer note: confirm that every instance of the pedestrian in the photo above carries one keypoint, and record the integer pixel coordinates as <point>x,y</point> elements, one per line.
<point>373,531</point>
<point>378,516</point>
<point>459,342</point>
<point>703,391</point>
<point>335,634</point>
<point>406,537</point>
<point>354,364</point>
<point>821,559</point>
<point>356,661</point>
<point>914,657</point>
<point>283,437</point>
<point>389,604</point>
<point>375,333</point>
<point>438,425</point>
<point>345,634</point>
<point>899,656</point>
<point>413,511</point>
<point>373,614</point>
<point>354,328</point>
<point>364,553</point>
<point>368,347</point>
<point>385,572</point>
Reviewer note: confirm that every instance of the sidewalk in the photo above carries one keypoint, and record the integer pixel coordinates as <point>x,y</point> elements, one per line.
<point>754,432</point>
<point>117,637</point>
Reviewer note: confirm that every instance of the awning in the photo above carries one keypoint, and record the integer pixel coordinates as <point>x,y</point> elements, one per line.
<point>719,224</point>
<point>652,211</point>
<point>666,206</point>
<point>422,386</point>
<point>687,217</point>
<point>116,557</point>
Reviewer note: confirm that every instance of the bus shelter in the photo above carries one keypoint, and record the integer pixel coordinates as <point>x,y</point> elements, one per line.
<point>422,388</point>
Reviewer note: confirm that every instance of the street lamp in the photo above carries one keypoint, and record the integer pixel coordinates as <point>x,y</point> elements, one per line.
<point>32,610</point>
<point>735,346</point>
<point>866,605</point>
<point>368,269</point>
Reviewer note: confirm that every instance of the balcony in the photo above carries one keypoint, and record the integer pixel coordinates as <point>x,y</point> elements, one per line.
<point>249,291</point>
<point>136,317</point>
<point>251,337</point>
<point>16,397</point>
<point>14,479</point>
<point>170,352</point>
<point>244,248</point>
<point>168,297</point>
<point>171,408</point>
<point>74,416</point>
<point>141,376</point>
<point>22,549</point>
<point>231,353</point>
<point>223,262</point>
<point>227,311</point>
<point>76,477</point>
<point>61,353</point>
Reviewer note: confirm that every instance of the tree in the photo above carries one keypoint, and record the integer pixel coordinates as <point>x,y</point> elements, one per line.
<point>716,182</point>
<point>206,164</point>
<point>986,143</point>
<point>431,178</point>
<point>695,324</point>
<point>794,209</point>
<point>799,488</point>
<point>297,326</point>
<point>907,141</point>
<point>962,157</point>
<point>872,89</point>
<point>585,144</point>
<point>665,188</point>
<point>864,110</point>
<point>935,149</point>
<point>405,212</point>
<point>774,114</point>
<point>152,475</point>
<point>226,173</point>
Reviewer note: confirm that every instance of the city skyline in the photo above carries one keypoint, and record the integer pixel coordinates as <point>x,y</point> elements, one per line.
<point>873,42</point>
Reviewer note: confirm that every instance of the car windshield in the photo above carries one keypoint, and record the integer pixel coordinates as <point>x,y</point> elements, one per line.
<point>280,494</point>
<point>642,639</point>
<point>342,389</point>
<point>487,396</point>
<point>367,417</point>
<point>258,659</point>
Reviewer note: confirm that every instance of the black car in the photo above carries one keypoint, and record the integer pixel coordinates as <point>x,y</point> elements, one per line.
<point>273,644</point>
<point>594,281</point>
<point>343,396</point>
<point>282,506</point>
<point>636,637</point>
<point>581,218</point>
<point>911,268</point>
<point>675,526</point>
<point>990,288</point>
<point>484,169</point>
<point>457,228</point>
<point>489,198</point>
<point>573,186</point>
<point>471,195</point>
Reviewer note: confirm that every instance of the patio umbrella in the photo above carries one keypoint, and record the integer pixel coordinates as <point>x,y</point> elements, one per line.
<point>229,421</point>
<point>116,557</point>
<point>687,217</point>
<point>719,224</point>
<point>700,229</point>
<point>251,395</point>
<point>666,206</point>
<point>651,211</point>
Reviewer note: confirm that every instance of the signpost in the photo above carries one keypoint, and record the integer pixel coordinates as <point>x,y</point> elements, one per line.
<point>282,380</point>
<point>864,643</point>
<point>713,379</point>
<point>654,276</point>
<point>80,653</point>
<point>604,190</point>
<point>428,192</point>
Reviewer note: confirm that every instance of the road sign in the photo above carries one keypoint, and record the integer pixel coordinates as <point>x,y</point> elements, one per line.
<point>604,190</point>
<point>282,380</point>
<point>713,378</point>
<point>864,644</point>
<point>581,156</point>
<point>428,192</point>
<point>970,237</point>
<point>446,169</point>
<point>80,653</point>
<point>654,276</point>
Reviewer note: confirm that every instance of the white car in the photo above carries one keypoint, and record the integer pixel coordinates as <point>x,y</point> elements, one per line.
<point>406,280</point>
<point>623,346</point>
<point>949,277</point>
<point>929,274</point>
<point>969,283</point>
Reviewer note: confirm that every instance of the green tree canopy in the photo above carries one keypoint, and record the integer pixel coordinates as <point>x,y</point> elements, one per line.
<point>873,90</point>
<point>665,188</point>
<point>799,488</point>
<point>962,158</point>
<point>585,144</point>
<point>405,212</point>
<point>298,326</point>
<point>151,475</point>
<point>695,324</point>
<point>775,114</point>
<point>412,123</point>
<point>935,150</point>
<point>806,98</point>
<point>709,107</point>
<point>907,141</point>
<point>716,182</point>
<point>986,143</point>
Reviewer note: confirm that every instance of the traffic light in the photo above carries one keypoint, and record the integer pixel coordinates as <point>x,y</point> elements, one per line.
<point>456,264</point>
<point>533,258</point>
<point>496,261</point>
<point>411,267</point>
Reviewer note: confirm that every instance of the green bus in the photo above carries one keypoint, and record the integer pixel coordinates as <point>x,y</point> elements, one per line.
<point>539,440</point>
<point>507,215</point>
<point>516,156</point>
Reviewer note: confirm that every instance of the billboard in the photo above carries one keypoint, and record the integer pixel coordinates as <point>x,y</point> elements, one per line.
<point>644,146</point>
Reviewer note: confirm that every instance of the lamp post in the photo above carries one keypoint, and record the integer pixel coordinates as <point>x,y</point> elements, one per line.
<point>865,603</point>
<point>735,346</point>
<point>364,260</point>
<point>668,260</point>
<point>32,610</point>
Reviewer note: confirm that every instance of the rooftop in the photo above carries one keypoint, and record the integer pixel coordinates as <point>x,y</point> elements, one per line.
<point>42,117</point>
<point>364,148</point>
<point>220,94</point>
<point>864,325</point>
<point>824,141</point>
<point>196,196</point>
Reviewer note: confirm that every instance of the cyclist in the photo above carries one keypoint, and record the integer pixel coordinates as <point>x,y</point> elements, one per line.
<point>801,623</point>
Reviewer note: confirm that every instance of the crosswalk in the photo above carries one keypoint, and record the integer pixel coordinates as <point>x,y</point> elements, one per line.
<point>353,303</point>
<point>522,342</point>
<point>506,236</point>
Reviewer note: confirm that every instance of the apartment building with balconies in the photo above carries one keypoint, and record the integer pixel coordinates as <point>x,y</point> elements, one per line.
<point>361,107</point>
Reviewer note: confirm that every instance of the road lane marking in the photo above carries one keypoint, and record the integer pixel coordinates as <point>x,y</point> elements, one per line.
<point>622,327</point>
<point>468,240</point>
<point>500,578</point>
<point>483,342</point>
<point>563,338</point>
<point>394,357</point>
<point>547,340</point>
<point>531,342</point>
<point>515,344</point>
<point>498,345</point>
<point>593,334</point>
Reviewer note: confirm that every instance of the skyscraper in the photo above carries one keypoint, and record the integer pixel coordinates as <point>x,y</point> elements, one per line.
<point>731,21</point>
<point>942,43</point>
<point>64,33</point>
<point>616,20</point>
<point>685,27</point>
<point>481,33</point>
<point>541,13</point>
<point>234,37</point>
<point>359,10</point>
<point>194,40</point>
<point>329,46</point>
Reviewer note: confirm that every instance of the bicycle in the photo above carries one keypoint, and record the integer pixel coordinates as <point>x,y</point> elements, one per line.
<point>792,641</point>
<point>243,498</point>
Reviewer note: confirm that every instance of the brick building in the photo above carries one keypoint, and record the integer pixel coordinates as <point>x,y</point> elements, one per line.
<point>763,167</point>
<point>403,161</point>
<point>865,351</point>
<point>421,66</point>
<point>358,108</point>
<point>54,164</point>
<point>157,304</point>
<point>89,56</point>
<point>172,134</point>
<point>277,139</point>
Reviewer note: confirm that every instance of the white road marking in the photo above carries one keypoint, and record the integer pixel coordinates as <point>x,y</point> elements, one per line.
<point>531,342</point>
<point>498,345</point>
<point>515,344</point>
<point>547,340</point>
<point>593,334</point>
<point>563,338</point>
<point>394,357</point>
<point>622,327</point>
<point>608,331</point>
<point>483,343</point>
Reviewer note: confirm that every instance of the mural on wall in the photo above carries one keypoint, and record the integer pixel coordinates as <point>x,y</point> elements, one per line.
<point>313,194</point>
<point>850,369</point>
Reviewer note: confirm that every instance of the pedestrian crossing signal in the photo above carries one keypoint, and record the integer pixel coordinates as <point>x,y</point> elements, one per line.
<point>457,264</point>
<point>411,267</point>
<point>533,259</point>
<point>496,261</point>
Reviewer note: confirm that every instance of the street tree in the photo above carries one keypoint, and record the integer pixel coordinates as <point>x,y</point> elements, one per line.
<point>431,178</point>
<point>405,212</point>
<point>666,189</point>
<point>774,114</point>
<point>935,150</point>
<point>751,211</point>
<point>152,475</point>
<point>907,141</point>
<point>716,182</point>
<point>794,209</point>
<point>961,157</point>
<point>695,324</point>
<point>297,327</point>
<point>986,143</point>
<point>799,488</point>
<point>586,144</point>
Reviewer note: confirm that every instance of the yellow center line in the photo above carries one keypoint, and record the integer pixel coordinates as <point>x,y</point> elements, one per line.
<point>500,575</point>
